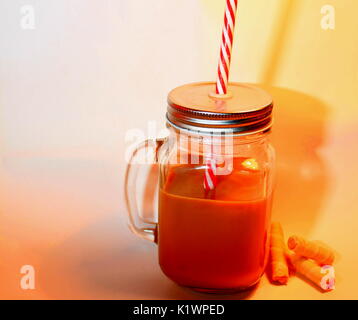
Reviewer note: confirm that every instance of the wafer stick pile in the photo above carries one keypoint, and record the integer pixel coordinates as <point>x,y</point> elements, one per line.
<point>312,260</point>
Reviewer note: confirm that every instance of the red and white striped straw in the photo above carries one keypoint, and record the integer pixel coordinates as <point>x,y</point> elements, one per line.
<point>210,180</point>
<point>226,47</point>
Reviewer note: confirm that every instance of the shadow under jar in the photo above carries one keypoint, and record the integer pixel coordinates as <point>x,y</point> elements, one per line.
<point>215,188</point>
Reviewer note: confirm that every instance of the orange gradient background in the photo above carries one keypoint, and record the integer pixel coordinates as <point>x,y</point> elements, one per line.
<point>91,70</point>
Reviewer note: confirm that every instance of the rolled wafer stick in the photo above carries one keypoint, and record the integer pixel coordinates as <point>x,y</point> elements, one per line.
<point>311,249</point>
<point>323,277</point>
<point>280,272</point>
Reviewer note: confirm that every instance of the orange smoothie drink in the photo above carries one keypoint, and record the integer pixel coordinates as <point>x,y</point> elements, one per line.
<point>214,239</point>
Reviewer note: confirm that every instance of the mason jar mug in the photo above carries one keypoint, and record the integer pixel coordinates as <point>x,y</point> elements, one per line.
<point>216,173</point>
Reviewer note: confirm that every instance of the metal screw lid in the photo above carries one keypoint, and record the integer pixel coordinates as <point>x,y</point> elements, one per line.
<point>246,109</point>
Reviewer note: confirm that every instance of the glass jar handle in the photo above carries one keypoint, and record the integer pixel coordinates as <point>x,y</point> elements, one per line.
<point>136,224</point>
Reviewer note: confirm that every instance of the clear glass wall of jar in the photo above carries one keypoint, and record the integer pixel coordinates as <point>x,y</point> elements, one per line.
<point>215,240</point>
